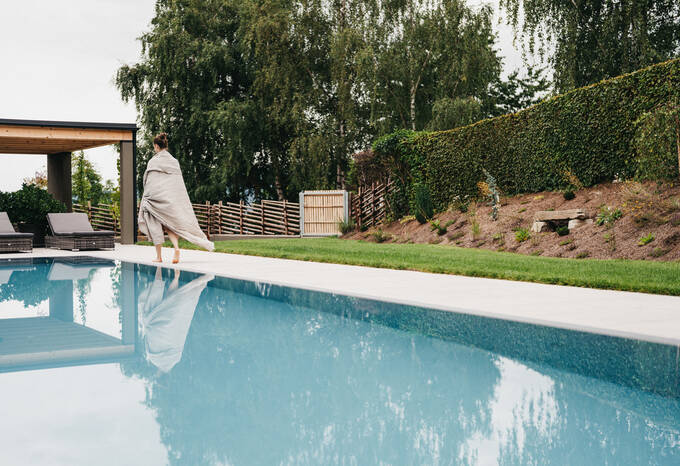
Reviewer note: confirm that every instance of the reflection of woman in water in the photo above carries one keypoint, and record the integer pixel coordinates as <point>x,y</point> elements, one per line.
<point>165,316</point>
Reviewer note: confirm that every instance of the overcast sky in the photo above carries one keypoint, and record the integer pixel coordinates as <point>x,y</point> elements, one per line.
<point>58,59</point>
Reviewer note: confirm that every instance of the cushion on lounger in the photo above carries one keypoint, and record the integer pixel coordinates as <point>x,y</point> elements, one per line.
<point>15,235</point>
<point>5,224</point>
<point>66,224</point>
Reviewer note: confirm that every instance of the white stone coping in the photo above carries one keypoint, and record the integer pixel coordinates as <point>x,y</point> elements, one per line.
<point>648,317</point>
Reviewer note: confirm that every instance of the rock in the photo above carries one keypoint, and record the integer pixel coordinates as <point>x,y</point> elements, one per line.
<point>539,227</point>
<point>576,223</point>
<point>553,215</point>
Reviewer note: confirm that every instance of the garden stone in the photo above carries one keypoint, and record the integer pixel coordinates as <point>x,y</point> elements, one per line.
<point>539,227</point>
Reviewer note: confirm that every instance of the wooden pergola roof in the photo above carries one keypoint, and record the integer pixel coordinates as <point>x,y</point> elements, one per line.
<point>51,137</point>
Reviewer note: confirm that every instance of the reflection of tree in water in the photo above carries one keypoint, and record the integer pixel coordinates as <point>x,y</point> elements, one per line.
<point>261,382</point>
<point>30,287</point>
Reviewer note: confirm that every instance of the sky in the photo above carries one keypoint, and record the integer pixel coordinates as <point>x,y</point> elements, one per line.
<point>58,60</point>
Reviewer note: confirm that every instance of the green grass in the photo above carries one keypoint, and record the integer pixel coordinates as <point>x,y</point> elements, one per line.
<point>643,276</point>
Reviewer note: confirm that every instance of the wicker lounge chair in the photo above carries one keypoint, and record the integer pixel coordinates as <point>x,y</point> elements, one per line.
<point>73,231</point>
<point>11,240</point>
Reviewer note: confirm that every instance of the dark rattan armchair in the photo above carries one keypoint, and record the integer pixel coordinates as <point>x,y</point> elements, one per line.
<point>11,240</point>
<point>73,231</point>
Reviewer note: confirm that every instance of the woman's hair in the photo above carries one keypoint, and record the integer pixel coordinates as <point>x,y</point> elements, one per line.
<point>161,140</point>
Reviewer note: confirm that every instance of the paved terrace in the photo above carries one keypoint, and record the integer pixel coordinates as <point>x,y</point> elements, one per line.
<point>643,316</point>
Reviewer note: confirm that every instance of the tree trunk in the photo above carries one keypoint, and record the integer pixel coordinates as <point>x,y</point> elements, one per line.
<point>413,106</point>
<point>279,189</point>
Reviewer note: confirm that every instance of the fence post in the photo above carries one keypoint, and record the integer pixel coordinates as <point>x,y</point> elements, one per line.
<point>262,204</point>
<point>208,218</point>
<point>285,216</point>
<point>373,196</point>
<point>219,218</point>
<point>240,216</point>
<point>89,211</point>
<point>360,208</point>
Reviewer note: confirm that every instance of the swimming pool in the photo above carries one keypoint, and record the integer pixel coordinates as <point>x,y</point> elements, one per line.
<point>104,362</point>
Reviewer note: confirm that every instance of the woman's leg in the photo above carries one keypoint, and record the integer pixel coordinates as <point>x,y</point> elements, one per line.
<point>174,240</point>
<point>159,258</point>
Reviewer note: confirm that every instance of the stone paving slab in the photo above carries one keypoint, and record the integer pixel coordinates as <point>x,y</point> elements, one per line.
<point>636,315</point>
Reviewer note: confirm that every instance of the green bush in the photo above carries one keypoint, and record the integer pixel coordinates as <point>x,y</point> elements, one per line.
<point>607,216</point>
<point>589,133</point>
<point>422,203</point>
<point>569,195</point>
<point>30,205</point>
<point>646,239</point>
<point>347,226</point>
<point>562,230</point>
<point>522,235</point>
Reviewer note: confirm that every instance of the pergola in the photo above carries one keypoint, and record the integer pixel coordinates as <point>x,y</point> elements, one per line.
<point>58,139</point>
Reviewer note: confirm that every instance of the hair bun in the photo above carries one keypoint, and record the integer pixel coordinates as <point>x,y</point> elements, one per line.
<point>161,140</point>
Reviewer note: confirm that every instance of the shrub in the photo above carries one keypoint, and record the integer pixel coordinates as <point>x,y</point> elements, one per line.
<point>347,226</point>
<point>657,143</point>
<point>566,241</point>
<point>610,239</point>
<point>422,203</point>
<point>582,255</point>
<point>380,236</point>
<point>658,252</point>
<point>435,225</point>
<point>588,132</point>
<point>30,205</point>
<point>607,216</point>
<point>569,195</point>
<point>562,230</point>
<point>646,239</point>
<point>522,235</point>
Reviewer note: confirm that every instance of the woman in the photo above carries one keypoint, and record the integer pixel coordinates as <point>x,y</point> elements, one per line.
<point>165,204</point>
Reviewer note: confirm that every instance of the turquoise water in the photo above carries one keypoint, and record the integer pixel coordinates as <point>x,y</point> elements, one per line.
<point>110,363</point>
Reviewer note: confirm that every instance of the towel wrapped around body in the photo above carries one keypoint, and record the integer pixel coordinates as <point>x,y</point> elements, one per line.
<point>165,203</point>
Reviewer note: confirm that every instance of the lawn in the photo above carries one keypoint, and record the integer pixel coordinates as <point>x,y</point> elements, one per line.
<point>644,276</point>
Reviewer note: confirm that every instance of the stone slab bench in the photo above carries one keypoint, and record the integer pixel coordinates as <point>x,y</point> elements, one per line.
<point>545,219</point>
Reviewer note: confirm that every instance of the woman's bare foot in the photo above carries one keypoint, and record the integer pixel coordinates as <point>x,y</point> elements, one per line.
<point>158,259</point>
<point>175,258</point>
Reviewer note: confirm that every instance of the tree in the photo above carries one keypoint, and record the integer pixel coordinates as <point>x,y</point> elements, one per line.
<point>436,50</point>
<point>86,182</point>
<point>516,93</point>
<point>586,41</point>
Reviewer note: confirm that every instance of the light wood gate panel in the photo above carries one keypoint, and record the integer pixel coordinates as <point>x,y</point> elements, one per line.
<point>321,211</point>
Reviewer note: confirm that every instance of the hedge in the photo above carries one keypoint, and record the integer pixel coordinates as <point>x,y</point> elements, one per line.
<point>588,133</point>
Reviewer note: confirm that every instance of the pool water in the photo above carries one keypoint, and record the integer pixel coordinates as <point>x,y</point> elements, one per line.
<point>104,362</point>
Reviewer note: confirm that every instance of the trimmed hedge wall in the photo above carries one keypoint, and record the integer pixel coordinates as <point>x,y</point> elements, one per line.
<point>588,132</point>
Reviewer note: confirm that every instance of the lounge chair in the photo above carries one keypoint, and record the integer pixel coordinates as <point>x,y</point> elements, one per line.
<point>73,231</point>
<point>11,240</point>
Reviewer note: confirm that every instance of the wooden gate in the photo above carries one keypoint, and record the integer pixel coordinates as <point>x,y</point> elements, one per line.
<point>322,211</point>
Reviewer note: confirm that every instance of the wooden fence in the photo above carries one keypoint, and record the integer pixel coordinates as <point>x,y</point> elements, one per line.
<point>323,211</point>
<point>369,204</point>
<point>102,216</point>
<point>266,218</point>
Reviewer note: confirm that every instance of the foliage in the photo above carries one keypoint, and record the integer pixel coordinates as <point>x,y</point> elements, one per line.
<point>610,239</point>
<point>582,255</point>
<point>380,236</point>
<point>39,179</point>
<point>516,93</point>
<point>569,195</point>
<point>562,230</point>
<point>607,216</point>
<point>646,239</point>
<point>657,143</point>
<point>422,203</point>
<point>347,226</point>
<point>586,41</point>
<point>435,225</point>
<point>629,275</point>
<point>30,205</point>
<point>587,132</point>
<point>522,235</point>
<point>450,113</point>
<point>265,98</point>
<point>87,182</point>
